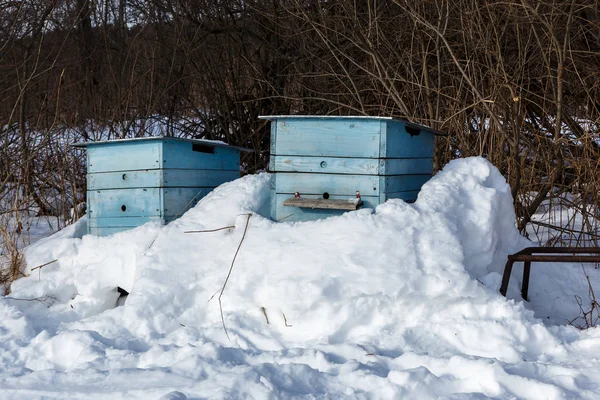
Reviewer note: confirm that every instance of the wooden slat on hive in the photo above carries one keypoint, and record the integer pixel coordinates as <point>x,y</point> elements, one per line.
<point>136,202</point>
<point>105,231</point>
<point>160,178</point>
<point>143,202</point>
<point>334,184</point>
<point>406,166</point>
<point>318,137</point>
<point>409,196</point>
<point>397,143</point>
<point>179,200</point>
<point>402,183</point>
<point>329,165</point>
<point>116,222</point>
<point>181,155</point>
<point>124,157</point>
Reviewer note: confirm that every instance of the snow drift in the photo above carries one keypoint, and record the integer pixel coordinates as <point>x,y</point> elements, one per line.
<point>399,303</point>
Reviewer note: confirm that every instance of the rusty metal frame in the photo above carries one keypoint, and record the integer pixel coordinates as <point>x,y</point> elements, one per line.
<point>527,256</point>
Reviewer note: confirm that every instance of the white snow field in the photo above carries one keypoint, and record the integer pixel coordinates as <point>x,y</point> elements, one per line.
<point>398,303</point>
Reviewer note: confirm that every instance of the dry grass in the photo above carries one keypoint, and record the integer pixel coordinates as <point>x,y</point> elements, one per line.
<point>12,260</point>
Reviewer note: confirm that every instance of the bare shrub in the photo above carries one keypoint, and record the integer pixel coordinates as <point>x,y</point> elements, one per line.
<point>590,312</point>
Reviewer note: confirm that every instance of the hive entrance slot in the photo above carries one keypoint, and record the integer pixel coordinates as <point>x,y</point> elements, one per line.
<point>123,208</point>
<point>202,148</point>
<point>412,131</point>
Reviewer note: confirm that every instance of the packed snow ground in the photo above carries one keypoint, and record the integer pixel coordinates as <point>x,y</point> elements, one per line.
<point>399,303</point>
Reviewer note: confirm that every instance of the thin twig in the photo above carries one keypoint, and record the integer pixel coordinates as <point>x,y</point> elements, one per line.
<point>593,313</point>
<point>212,230</point>
<point>151,244</point>
<point>286,217</point>
<point>39,299</point>
<point>229,274</point>
<point>43,265</point>
<point>264,310</point>
<point>285,321</point>
<point>213,296</point>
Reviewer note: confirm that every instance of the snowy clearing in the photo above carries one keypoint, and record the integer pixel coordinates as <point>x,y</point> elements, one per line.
<point>400,303</point>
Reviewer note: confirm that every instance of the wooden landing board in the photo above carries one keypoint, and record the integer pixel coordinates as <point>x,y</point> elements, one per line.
<point>323,204</point>
<point>279,212</point>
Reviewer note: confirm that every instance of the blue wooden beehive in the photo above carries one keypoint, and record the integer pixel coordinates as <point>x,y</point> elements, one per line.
<point>134,181</point>
<point>326,160</point>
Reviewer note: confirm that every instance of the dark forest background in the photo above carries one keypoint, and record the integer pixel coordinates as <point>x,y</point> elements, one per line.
<point>517,82</point>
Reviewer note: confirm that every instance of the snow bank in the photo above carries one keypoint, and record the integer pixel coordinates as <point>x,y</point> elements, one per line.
<point>400,303</point>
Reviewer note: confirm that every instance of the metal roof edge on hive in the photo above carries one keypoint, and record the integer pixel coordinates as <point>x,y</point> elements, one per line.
<point>411,124</point>
<point>213,143</point>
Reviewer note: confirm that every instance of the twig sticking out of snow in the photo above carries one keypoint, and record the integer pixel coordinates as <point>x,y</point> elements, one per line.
<point>285,321</point>
<point>46,300</point>
<point>229,274</point>
<point>264,310</point>
<point>213,230</point>
<point>43,265</point>
<point>151,244</point>
<point>40,268</point>
<point>592,315</point>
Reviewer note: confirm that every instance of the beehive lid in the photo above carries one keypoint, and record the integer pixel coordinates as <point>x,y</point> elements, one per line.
<point>211,143</point>
<point>407,123</point>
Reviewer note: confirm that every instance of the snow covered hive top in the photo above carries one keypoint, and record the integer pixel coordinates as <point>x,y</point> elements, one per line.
<point>134,181</point>
<point>326,160</point>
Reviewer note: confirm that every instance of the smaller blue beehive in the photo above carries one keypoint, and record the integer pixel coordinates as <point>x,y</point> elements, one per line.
<point>134,181</point>
<point>320,164</point>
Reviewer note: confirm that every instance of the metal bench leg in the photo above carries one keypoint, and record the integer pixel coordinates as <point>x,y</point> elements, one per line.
<point>525,285</point>
<point>506,277</point>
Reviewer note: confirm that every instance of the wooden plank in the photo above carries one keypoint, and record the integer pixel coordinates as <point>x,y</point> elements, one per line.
<point>406,166</point>
<point>180,155</point>
<point>400,144</point>
<point>273,208</point>
<point>115,222</point>
<point>108,231</point>
<point>334,184</point>
<point>124,202</point>
<point>402,183</point>
<point>125,179</point>
<point>178,200</point>
<point>327,137</point>
<point>323,203</point>
<point>383,128</point>
<point>198,178</point>
<point>279,212</point>
<point>410,195</point>
<point>273,146</point>
<point>330,165</point>
<point>143,202</point>
<point>160,178</point>
<point>107,226</point>
<point>124,157</point>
